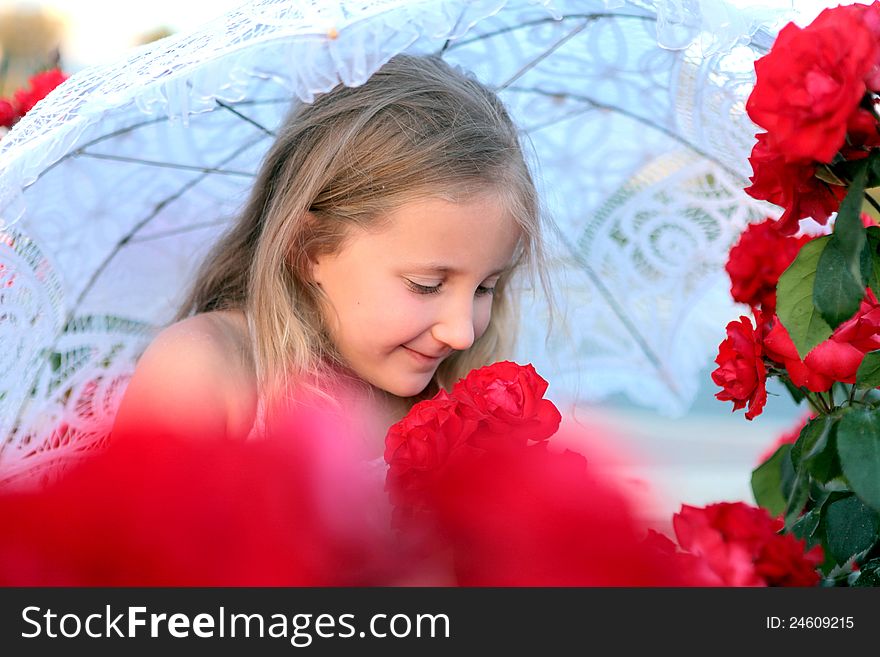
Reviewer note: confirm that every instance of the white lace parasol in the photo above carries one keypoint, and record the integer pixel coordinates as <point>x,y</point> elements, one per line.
<point>116,184</point>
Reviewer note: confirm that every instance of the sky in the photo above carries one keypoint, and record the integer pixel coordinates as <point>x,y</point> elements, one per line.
<point>98,31</point>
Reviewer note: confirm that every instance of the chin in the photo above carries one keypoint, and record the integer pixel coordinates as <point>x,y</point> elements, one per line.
<point>405,388</point>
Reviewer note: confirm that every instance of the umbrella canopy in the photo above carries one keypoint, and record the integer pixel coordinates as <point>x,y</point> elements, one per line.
<point>116,184</point>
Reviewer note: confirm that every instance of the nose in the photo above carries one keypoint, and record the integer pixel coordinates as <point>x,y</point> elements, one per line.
<point>454,326</point>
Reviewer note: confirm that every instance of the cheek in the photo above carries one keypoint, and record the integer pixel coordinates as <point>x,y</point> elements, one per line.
<point>392,319</point>
<point>482,315</point>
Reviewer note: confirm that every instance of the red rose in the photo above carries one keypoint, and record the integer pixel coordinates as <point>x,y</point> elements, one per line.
<point>756,262</point>
<point>740,545</point>
<point>812,80</point>
<point>39,87</point>
<point>508,399</point>
<point>835,359</point>
<point>692,570</point>
<point>8,114</point>
<point>741,372</point>
<point>420,447</point>
<point>783,562</point>
<point>792,186</point>
<point>861,134</point>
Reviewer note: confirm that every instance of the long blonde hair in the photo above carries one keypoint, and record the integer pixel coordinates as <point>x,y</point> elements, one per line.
<point>417,128</point>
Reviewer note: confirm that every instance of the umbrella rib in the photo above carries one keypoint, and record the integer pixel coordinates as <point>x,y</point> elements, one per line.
<point>543,21</point>
<point>175,231</point>
<point>143,222</point>
<point>243,117</point>
<point>166,165</point>
<point>594,104</point>
<point>136,126</point>
<point>541,57</point>
<point>619,312</point>
<point>447,43</point>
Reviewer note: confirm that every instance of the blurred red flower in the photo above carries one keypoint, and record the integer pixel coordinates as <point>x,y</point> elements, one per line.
<point>157,511</point>
<point>8,114</point>
<point>38,88</point>
<point>740,546</point>
<point>535,517</point>
<point>23,100</point>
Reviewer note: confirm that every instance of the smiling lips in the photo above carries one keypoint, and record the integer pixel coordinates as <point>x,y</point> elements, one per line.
<point>422,358</point>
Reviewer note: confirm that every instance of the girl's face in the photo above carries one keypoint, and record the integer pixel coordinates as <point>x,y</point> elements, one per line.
<point>402,298</point>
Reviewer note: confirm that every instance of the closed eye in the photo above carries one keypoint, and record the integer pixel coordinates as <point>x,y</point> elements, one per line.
<point>423,289</point>
<point>482,290</point>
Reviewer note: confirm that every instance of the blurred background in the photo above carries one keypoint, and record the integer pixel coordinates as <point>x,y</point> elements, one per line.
<point>704,456</point>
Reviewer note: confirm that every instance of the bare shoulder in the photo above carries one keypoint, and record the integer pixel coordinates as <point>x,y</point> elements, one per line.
<point>196,377</point>
<point>212,338</point>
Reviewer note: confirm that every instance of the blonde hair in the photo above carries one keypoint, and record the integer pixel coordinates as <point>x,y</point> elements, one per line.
<point>416,129</point>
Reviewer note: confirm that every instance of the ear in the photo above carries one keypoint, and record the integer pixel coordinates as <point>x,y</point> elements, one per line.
<point>309,261</point>
<point>314,271</point>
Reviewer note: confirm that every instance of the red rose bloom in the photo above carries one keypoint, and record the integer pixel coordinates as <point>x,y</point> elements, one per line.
<point>508,399</point>
<point>740,545</point>
<point>782,562</point>
<point>861,135</point>
<point>756,262</point>
<point>421,446</point>
<point>8,114</point>
<point>837,358</point>
<point>812,80</point>
<point>792,186</point>
<point>39,87</point>
<point>741,372</point>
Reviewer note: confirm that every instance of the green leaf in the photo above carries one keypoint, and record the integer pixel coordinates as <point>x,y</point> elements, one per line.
<point>849,231</point>
<point>821,459</point>
<point>837,293</point>
<point>767,482</point>
<point>871,266</point>
<point>858,445</point>
<point>839,286</point>
<point>850,527</point>
<point>806,526</point>
<point>868,374</point>
<point>800,494</point>
<point>789,472</point>
<point>795,484</point>
<point>869,574</point>
<point>796,393</point>
<point>794,298</point>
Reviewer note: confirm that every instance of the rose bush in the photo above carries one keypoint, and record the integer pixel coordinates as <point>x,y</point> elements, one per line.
<point>816,98</point>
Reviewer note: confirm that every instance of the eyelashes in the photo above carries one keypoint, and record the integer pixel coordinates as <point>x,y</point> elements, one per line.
<point>482,290</point>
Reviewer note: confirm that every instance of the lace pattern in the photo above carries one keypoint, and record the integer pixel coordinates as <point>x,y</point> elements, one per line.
<point>116,184</point>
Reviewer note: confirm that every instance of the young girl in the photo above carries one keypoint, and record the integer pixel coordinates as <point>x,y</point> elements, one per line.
<point>377,247</point>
